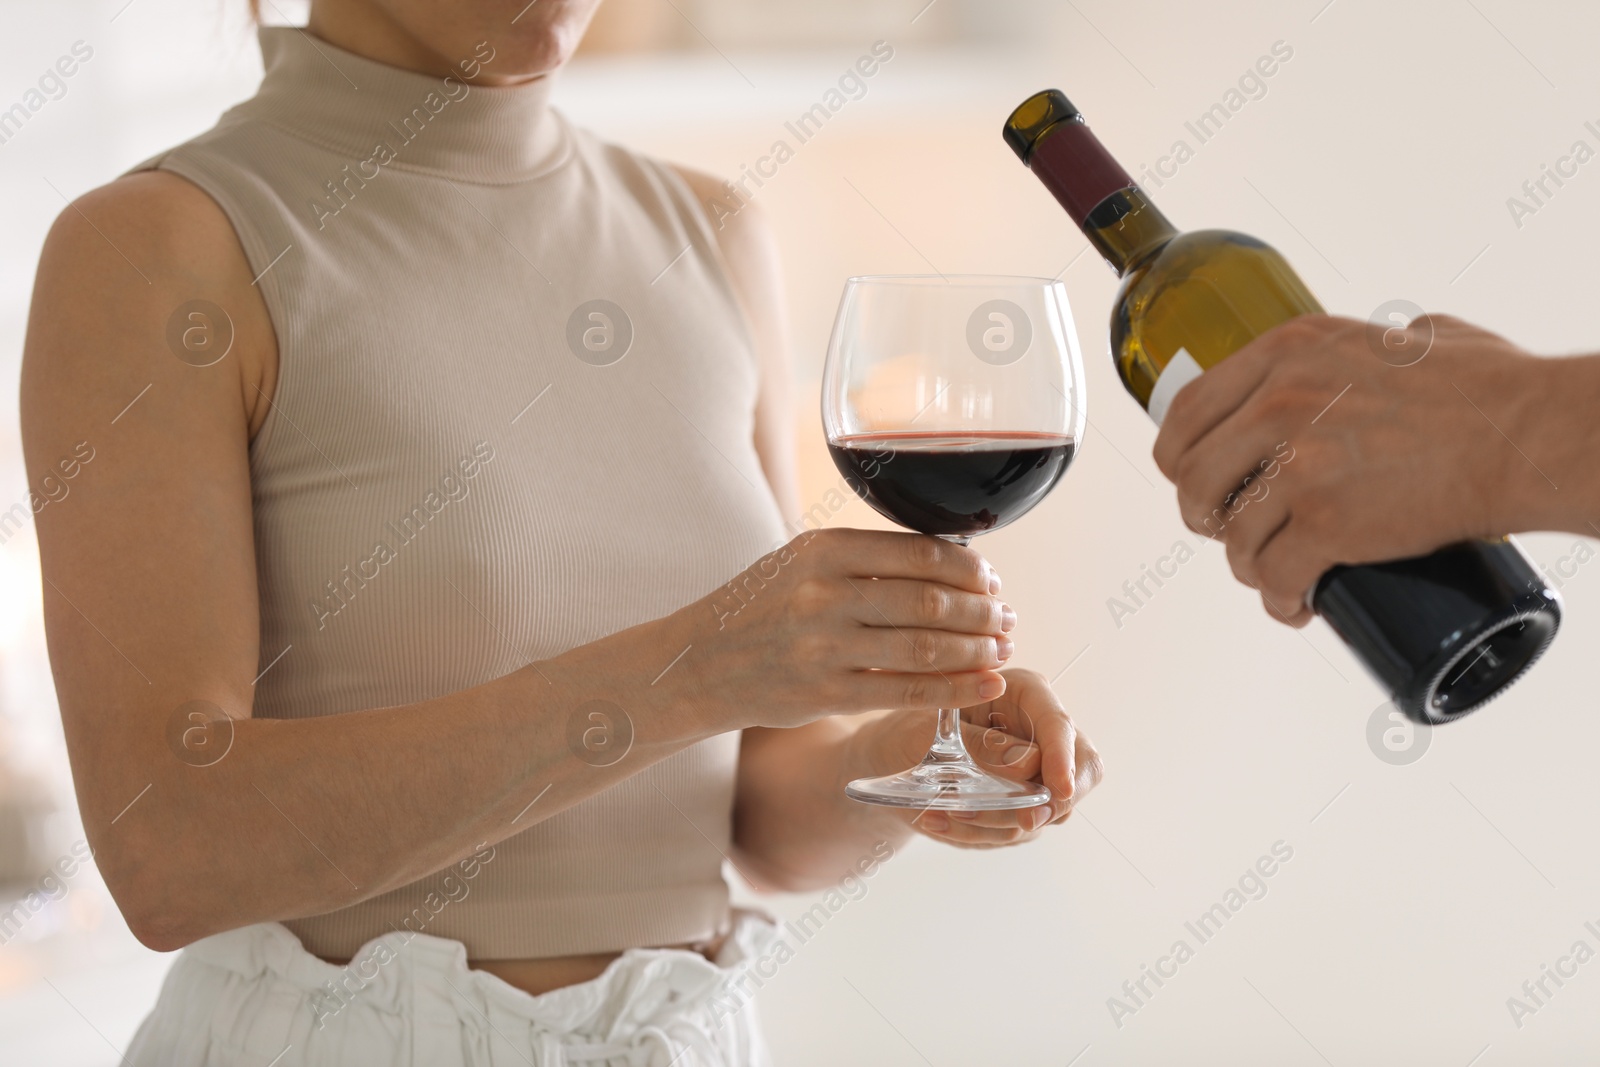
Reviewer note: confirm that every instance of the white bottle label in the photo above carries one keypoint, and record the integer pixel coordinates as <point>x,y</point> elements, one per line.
<point>1179,372</point>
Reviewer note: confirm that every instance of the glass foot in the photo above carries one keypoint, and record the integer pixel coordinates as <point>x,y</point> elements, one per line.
<point>948,785</point>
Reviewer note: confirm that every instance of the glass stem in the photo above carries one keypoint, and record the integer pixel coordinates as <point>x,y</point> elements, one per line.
<point>947,744</point>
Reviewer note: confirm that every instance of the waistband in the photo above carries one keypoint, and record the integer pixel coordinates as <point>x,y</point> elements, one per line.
<point>646,1000</point>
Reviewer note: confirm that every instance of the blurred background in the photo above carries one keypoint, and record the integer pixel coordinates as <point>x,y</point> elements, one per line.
<point>1429,876</point>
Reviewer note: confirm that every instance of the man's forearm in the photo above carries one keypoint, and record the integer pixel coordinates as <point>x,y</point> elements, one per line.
<point>1556,426</point>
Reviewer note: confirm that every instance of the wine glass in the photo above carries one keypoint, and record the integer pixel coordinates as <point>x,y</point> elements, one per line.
<point>952,405</point>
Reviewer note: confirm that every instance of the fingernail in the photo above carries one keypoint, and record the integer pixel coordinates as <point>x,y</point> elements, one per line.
<point>1003,647</point>
<point>990,688</point>
<point>935,821</point>
<point>1008,619</point>
<point>1036,818</point>
<point>994,581</point>
<point>964,816</point>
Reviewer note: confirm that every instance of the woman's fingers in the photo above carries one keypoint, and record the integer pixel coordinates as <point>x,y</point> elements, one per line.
<point>1027,736</point>
<point>955,831</point>
<point>928,605</point>
<point>1088,770</point>
<point>913,651</point>
<point>882,554</point>
<point>1031,713</point>
<point>925,691</point>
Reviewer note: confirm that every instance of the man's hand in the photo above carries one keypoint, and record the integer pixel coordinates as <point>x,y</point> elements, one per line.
<point>1313,446</point>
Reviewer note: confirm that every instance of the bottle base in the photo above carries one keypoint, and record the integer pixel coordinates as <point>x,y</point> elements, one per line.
<point>1470,677</point>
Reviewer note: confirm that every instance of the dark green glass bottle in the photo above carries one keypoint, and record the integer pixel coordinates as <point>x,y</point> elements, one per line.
<point>1442,633</point>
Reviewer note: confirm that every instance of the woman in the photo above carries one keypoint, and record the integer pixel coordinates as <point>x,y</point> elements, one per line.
<point>407,667</point>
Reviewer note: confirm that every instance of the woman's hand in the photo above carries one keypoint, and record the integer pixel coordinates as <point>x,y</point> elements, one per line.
<point>1025,735</point>
<point>834,622</point>
<point>852,621</point>
<point>1363,445</point>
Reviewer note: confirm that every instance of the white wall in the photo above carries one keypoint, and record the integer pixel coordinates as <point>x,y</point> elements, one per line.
<point>1419,898</point>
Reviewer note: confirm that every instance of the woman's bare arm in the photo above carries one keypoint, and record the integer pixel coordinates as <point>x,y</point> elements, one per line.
<point>150,603</point>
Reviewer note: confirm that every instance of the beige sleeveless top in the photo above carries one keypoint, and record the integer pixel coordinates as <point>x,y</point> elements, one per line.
<point>514,414</point>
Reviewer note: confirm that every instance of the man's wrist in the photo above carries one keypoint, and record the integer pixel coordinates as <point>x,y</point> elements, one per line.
<point>1554,427</point>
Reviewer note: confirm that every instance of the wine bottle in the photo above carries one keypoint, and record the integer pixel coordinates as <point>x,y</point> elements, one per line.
<point>1442,633</point>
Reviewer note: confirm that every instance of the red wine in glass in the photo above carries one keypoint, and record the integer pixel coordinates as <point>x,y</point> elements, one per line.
<point>953,484</point>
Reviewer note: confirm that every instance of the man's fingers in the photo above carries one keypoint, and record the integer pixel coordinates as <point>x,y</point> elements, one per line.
<point>1209,399</point>
<point>1287,569</point>
<point>1227,472</point>
<point>1293,612</point>
<point>1251,529</point>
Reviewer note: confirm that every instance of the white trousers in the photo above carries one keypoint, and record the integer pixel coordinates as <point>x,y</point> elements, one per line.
<point>254,996</point>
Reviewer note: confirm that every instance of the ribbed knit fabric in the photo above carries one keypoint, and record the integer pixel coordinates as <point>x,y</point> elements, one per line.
<point>458,476</point>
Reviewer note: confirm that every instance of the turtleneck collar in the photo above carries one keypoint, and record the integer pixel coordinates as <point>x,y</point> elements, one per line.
<point>445,126</point>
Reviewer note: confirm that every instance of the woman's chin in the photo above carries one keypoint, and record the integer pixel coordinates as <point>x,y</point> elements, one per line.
<point>531,55</point>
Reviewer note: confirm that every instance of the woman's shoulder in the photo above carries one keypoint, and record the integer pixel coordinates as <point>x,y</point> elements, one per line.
<point>122,260</point>
<point>158,213</point>
<point>742,229</point>
<point>153,224</point>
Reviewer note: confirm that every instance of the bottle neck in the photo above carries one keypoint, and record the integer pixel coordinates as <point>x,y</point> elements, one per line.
<point>1126,228</point>
<point>1113,212</point>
